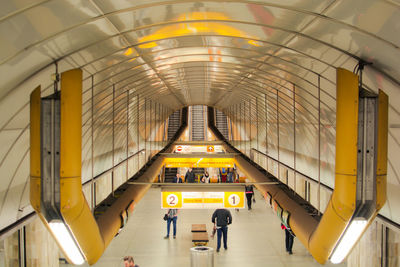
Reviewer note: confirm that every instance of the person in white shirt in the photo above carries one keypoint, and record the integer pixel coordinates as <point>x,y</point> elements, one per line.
<point>177,178</point>
<point>205,178</point>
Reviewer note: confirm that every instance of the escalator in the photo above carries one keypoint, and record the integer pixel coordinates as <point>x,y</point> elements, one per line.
<point>198,173</point>
<point>198,123</point>
<point>221,122</point>
<point>174,122</point>
<point>170,173</point>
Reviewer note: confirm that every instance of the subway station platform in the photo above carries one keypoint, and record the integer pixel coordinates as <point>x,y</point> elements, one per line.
<point>255,239</point>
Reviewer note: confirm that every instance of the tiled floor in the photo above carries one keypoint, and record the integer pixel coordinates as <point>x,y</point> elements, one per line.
<point>255,239</point>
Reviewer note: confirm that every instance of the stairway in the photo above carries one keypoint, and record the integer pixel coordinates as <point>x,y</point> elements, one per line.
<point>174,122</point>
<point>197,123</point>
<point>222,123</point>
<point>170,173</point>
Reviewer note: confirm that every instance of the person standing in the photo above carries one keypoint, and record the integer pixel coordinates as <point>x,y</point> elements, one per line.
<point>289,237</point>
<point>229,177</point>
<point>177,178</point>
<point>172,217</point>
<point>222,174</point>
<point>205,178</point>
<point>236,181</point>
<point>189,176</point>
<point>221,219</point>
<point>249,194</point>
<point>129,262</point>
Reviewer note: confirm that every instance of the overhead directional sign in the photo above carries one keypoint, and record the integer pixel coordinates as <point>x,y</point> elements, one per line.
<point>202,200</point>
<point>199,162</point>
<point>199,149</point>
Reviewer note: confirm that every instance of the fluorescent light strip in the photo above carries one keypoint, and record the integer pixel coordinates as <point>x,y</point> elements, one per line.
<point>66,240</point>
<point>348,240</point>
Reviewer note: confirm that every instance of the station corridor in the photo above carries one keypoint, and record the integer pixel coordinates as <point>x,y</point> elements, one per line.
<point>101,101</point>
<point>255,239</point>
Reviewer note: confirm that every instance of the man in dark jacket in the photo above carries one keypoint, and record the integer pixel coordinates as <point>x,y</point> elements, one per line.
<point>221,219</point>
<point>189,176</point>
<point>249,194</point>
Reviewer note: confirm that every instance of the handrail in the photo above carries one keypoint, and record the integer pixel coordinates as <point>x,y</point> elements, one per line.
<point>112,168</point>
<point>287,166</point>
<point>384,220</point>
<point>201,184</point>
<point>108,212</point>
<point>8,230</point>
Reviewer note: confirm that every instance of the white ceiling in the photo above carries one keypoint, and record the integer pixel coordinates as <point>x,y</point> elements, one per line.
<point>181,53</point>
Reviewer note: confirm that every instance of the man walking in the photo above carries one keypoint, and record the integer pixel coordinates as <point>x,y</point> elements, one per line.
<point>190,177</point>
<point>249,194</point>
<point>221,219</point>
<point>289,237</point>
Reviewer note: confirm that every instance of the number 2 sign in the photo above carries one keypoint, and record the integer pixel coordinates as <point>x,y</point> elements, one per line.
<point>172,200</point>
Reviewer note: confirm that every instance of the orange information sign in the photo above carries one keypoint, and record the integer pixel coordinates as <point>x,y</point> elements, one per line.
<point>202,200</point>
<point>199,162</point>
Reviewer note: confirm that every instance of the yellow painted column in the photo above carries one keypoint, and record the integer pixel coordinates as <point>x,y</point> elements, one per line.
<point>381,165</point>
<point>73,206</point>
<point>35,149</point>
<point>342,204</point>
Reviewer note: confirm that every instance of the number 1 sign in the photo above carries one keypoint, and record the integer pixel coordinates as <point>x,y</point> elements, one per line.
<point>202,200</point>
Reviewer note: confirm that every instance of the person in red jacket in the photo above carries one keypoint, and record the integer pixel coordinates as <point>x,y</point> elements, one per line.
<point>223,172</point>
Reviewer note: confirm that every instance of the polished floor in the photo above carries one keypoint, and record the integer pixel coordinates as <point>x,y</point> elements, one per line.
<point>255,239</point>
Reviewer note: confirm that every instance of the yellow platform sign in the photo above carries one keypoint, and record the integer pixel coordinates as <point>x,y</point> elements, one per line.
<point>202,200</point>
<point>172,200</point>
<point>199,162</point>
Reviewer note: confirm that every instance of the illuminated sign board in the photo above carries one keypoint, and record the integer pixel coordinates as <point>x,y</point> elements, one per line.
<point>202,200</point>
<point>199,149</point>
<point>199,162</point>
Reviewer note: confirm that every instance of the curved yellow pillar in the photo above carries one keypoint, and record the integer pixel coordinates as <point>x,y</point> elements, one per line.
<point>381,165</point>
<point>342,203</point>
<point>73,205</point>
<point>35,173</point>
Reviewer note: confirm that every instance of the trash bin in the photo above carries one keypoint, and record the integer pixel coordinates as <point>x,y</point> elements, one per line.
<point>202,257</point>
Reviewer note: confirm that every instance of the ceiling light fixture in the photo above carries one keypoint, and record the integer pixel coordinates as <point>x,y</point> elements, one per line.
<point>65,238</point>
<point>349,238</point>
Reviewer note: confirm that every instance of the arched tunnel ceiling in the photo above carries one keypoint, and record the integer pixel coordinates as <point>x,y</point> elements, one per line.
<point>182,53</point>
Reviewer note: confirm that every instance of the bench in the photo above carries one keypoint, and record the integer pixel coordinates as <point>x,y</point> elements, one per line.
<point>199,234</point>
<point>199,228</point>
<point>200,238</point>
